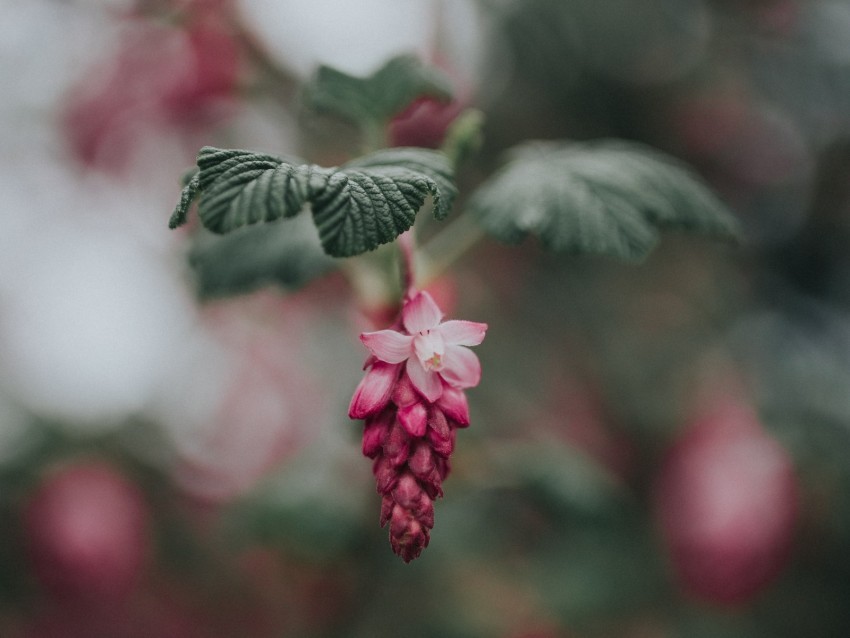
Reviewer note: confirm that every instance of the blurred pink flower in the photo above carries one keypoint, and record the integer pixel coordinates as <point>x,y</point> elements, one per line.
<point>267,407</point>
<point>162,80</point>
<point>727,502</point>
<point>88,532</point>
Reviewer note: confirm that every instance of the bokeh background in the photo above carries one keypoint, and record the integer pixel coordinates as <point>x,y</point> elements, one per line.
<point>658,450</point>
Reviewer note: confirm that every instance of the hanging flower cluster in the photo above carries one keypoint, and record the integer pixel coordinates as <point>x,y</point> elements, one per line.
<point>412,398</point>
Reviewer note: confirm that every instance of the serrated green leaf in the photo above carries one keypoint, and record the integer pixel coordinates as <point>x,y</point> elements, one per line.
<point>187,196</point>
<point>609,197</point>
<point>286,253</point>
<point>433,164</point>
<point>377,97</point>
<point>356,208</point>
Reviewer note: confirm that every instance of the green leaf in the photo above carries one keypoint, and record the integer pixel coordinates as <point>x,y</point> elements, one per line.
<point>377,97</point>
<point>187,196</point>
<point>432,164</point>
<point>286,253</point>
<point>608,197</point>
<point>356,208</point>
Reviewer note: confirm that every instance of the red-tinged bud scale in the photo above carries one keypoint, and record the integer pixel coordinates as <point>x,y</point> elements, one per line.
<point>412,399</point>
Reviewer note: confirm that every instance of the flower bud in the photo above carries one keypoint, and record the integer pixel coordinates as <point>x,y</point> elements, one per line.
<point>373,392</point>
<point>414,418</point>
<point>440,434</point>
<point>374,434</point>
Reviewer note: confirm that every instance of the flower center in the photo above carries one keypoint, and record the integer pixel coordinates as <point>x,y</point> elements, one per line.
<point>429,349</point>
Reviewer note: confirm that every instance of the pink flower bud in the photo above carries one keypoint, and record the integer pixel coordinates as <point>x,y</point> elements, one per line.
<point>374,434</point>
<point>407,536</point>
<point>404,393</point>
<point>423,123</point>
<point>385,475</point>
<point>424,467</point>
<point>414,418</point>
<point>387,505</point>
<point>397,445</point>
<point>440,434</point>
<point>373,392</point>
<point>424,511</point>
<point>407,492</point>
<point>454,405</point>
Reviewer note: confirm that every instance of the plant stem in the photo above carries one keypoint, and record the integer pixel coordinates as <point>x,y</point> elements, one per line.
<point>407,253</point>
<point>448,246</point>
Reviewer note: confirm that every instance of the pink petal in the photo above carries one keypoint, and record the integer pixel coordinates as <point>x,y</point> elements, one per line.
<point>461,367</point>
<point>421,313</point>
<point>427,383</point>
<point>388,345</point>
<point>454,405</point>
<point>374,390</point>
<point>462,333</point>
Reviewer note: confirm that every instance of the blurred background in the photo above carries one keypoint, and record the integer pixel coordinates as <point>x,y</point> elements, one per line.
<point>656,451</point>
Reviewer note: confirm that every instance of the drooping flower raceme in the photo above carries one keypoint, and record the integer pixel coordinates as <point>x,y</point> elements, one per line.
<point>412,399</point>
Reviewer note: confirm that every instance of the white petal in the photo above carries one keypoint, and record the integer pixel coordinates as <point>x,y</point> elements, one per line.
<point>463,333</point>
<point>388,345</point>
<point>421,313</point>
<point>461,367</point>
<point>427,383</point>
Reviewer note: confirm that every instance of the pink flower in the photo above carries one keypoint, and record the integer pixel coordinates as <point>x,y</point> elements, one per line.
<point>435,351</point>
<point>412,401</point>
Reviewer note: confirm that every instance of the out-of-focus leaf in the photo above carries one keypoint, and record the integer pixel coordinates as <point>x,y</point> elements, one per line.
<point>560,474</point>
<point>608,197</point>
<point>377,97</point>
<point>286,253</point>
<point>357,207</point>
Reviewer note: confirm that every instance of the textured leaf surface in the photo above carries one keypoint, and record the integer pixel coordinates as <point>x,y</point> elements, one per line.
<point>285,253</point>
<point>356,207</point>
<point>609,197</point>
<point>376,97</point>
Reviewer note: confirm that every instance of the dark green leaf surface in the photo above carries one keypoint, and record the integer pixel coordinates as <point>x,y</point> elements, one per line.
<point>377,97</point>
<point>609,197</point>
<point>356,208</point>
<point>286,253</point>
